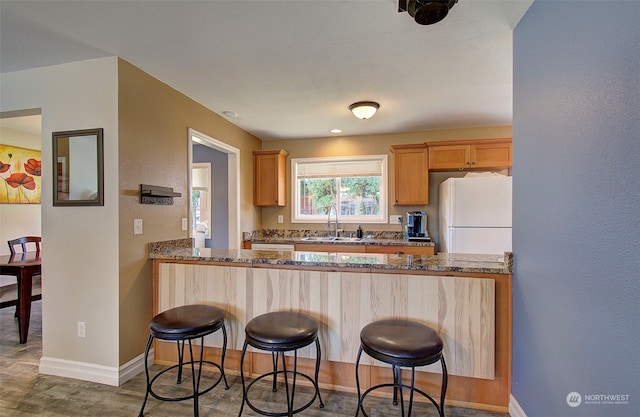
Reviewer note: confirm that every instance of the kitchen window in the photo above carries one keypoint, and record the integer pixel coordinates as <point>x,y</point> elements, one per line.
<point>357,186</point>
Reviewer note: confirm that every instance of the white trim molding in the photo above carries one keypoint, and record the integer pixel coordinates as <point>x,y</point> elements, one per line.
<point>79,370</point>
<point>514,408</point>
<point>135,366</point>
<point>107,375</point>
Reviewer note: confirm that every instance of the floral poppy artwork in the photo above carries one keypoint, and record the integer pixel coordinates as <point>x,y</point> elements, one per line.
<point>20,175</point>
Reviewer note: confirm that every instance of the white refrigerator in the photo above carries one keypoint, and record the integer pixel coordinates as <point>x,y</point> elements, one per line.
<point>475,215</point>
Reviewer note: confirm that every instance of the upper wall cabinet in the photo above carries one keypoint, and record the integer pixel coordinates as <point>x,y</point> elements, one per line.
<point>411,174</point>
<point>470,154</point>
<point>269,177</point>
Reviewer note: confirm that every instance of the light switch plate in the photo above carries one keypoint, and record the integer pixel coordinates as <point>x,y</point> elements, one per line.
<point>184,224</point>
<point>137,226</point>
<point>395,219</point>
<point>280,218</point>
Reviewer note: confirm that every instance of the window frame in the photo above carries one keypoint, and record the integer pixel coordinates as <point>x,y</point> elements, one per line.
<point>384,191</point>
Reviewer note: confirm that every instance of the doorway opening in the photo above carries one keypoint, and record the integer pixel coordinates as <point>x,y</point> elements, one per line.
<point>224,230</point>
<point>20,131</point>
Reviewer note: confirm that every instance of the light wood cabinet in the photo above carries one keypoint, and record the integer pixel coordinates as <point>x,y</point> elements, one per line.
<point>411,174</point>
<point>470,155</point>
<point>269,177</point>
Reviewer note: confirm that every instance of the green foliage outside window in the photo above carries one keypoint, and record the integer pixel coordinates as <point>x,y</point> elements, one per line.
<point>358,195</point>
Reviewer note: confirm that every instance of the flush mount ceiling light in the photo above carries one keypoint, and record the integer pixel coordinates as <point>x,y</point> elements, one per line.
<point>364,109</point>
<point>426,12</point>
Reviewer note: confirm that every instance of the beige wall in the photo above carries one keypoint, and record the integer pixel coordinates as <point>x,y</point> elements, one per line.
<point>153,149</point>
<point>371,145</point>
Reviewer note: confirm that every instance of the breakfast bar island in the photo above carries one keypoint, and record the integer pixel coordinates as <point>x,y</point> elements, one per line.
<point>465,298</point>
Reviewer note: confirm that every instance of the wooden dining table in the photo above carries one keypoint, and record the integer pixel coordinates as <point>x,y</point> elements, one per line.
<point>23,266</point>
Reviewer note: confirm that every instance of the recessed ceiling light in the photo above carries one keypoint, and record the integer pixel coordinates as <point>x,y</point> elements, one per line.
<point>336,130</point>
<point>230,113</point>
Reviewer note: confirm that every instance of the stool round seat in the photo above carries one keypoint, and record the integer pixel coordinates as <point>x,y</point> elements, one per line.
<point>401,342</point>
<point>281,331</point>
<point>183,324</point>
<point>186,322</point>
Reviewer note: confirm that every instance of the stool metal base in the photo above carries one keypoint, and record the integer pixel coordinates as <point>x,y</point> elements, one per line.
<point>289,392</point>
<point>398,386</point>
<point>195,374</point>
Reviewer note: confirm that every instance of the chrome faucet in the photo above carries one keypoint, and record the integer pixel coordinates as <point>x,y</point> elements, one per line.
<point>335,210</point>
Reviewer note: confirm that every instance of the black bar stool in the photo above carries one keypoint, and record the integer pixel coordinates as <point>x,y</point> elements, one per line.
<point>280,332</point>
<point>402,343</point>
<point>185,324</point>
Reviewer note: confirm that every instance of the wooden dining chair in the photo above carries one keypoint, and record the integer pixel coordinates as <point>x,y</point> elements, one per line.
<point>23,241</point>
<point>9,293</point>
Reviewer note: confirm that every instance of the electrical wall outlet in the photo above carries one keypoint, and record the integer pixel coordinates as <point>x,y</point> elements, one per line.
<point>395,219</point>
<point>82,329</point>
<point>137,226</point>
<point>185,224</point>
<point>280,218</point>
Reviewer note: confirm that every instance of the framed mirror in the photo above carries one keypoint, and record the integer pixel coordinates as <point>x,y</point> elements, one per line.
<point>78,167</point>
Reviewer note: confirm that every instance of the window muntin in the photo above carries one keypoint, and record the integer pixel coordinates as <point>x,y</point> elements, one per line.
<point>356,185</point>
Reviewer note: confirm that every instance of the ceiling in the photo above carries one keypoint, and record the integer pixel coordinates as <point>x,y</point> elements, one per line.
<point>290,69</point>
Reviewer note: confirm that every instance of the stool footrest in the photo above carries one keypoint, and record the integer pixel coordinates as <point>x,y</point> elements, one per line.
<point>389,385</point>
<point>285,413</point>
<point>187,397</point>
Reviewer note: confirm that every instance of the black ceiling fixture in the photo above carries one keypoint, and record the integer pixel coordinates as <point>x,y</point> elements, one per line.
<point>426,12</point>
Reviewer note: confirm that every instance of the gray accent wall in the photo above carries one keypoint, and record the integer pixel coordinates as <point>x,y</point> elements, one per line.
<point>219,194</point>
<point>576,215</point>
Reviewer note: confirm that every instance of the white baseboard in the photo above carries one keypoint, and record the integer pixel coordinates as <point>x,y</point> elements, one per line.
<point>95,373</point>
<point>79,370</point>
<point>514,408</point>
<point>135,366</point>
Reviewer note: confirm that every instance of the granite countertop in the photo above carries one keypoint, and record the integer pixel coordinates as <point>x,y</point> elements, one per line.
<point>182,250</point>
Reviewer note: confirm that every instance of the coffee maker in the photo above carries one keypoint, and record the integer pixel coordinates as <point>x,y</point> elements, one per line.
<point>416,227</point>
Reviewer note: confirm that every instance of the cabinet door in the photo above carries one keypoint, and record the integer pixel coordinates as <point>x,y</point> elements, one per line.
<point>411,174</point>
<point>269,176</point>
<point>493,155</point>
<point>449,157</point>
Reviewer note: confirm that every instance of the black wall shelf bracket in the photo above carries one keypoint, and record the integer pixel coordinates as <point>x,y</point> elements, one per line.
<point>154,194</point>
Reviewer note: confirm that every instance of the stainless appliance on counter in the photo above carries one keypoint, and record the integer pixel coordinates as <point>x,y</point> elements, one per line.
<point>416,227</point>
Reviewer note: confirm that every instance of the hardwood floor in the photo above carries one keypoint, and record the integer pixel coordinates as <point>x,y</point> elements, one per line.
<point>23,392</point>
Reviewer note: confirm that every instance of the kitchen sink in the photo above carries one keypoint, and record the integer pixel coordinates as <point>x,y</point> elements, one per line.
<point>330,239</point>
